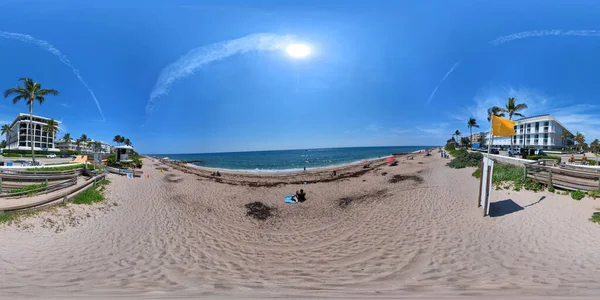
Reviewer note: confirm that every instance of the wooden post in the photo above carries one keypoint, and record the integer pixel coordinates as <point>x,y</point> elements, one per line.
<point>525,172</point>
<point>550,179</point>
<point>487,194</point>
<point>0,184</point>
<point>480,183</point>
<point>46,181</point>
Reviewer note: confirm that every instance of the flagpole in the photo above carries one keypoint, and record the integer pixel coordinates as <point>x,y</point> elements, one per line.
<point>491,135</point>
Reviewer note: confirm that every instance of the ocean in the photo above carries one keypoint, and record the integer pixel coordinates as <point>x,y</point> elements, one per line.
<point>289,160</point>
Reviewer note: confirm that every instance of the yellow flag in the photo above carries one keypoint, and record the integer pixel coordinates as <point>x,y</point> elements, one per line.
<point>502,127</point>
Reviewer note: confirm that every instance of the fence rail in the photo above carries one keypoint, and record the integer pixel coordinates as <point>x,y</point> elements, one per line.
<point>60,197</point>
<point>45,189</point>
<point>564,177</point>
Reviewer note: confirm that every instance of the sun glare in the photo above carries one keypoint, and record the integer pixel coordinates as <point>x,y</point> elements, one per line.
<point>298,50</point>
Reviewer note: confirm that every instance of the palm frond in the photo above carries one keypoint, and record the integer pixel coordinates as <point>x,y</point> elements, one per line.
<point>19,97</point>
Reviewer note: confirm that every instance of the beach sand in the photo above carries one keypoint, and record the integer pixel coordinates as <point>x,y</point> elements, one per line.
<point>358,235</point>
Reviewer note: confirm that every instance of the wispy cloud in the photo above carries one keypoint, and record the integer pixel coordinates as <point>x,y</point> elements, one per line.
<point>63,58</point>
<point>373,127</point>
<point>541,33</point>
<point>64,105</point>
<point>201,56</point>
<point>456,64</point>
<point>437,129</point>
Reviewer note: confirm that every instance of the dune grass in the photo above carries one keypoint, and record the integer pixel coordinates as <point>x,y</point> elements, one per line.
<point>7,217</point>
<point>65,168</point>
<point>29,188</point>
<point>91,195</point>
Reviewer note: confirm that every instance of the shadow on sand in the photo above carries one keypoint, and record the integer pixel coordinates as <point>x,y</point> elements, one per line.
<point>504,207</point>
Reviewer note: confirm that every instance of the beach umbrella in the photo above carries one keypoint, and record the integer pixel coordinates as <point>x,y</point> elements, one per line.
<point>363,161</point>
<point>390,159</point>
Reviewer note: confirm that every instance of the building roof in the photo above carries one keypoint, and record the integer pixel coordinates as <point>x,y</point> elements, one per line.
<point>35,116</point>
<point>123,147</point>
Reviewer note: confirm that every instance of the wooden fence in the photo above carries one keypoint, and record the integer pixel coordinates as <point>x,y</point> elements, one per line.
<point>565,177</point>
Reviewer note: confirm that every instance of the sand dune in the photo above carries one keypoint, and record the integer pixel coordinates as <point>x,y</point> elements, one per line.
<point>181,234</point>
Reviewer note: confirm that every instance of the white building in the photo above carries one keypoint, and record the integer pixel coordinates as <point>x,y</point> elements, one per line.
<point>19,137</point>
<point>540,132</point>
<point>87,147</point>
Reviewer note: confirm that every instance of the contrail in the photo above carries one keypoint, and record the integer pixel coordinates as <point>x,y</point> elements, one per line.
<point>442,81</point>
<point>63,58</point>
<point>539,33</point>
<point>199,57</point>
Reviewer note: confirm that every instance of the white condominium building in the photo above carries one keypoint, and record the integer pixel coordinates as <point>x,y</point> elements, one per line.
<point>540,132</point>
<point>87,147</point>
<point>19,137</point>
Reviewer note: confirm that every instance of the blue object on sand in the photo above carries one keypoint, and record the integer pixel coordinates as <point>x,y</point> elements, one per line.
<point>289,199</point>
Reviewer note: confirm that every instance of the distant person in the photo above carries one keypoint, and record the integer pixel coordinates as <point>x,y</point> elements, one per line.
<point>334,173</point>
<point>304,169</point>
<point>217,174</point>
<point>300,196</point>
<point>584,160</point>
<point>572,158</point>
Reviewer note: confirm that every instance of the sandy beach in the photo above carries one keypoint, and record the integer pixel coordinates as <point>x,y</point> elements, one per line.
<point>385,232</point>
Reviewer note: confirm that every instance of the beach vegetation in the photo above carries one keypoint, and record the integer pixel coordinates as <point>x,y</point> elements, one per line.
<point>30,92</point>
<point>64,168</point>
<point>577,195</point>
<point>464,159</point>
<point>7,217</point>
<point>3,144</point>
<point>551,189</point>
<point>512,109</point>
<point>28,190</point>
<point>595,218</point>
<point>259,210</point>
<point>536,157</point>
<point>533,185</point>
<point>92,195</point>
<point>580,140</point>
<point>593,194</point>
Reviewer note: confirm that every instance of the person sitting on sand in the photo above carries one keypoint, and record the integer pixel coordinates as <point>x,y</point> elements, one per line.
<point>300,196</point>
<point>217,174</point>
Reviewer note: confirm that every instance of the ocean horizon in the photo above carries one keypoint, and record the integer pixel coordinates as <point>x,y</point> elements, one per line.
<point>289,160</point>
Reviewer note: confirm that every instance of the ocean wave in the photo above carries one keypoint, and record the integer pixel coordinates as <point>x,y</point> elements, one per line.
<point>288,171</point>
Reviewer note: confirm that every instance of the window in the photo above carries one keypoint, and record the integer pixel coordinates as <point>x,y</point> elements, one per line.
<point>37,145</point>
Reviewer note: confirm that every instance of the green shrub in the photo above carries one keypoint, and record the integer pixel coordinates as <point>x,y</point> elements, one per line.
<point>536,157</point>
<point>476,173</point>
<point>590,161</point>
<point>551,189</point>
<point>593,194</point>
<point>577,195</point>
<point>504,173</point>
<point>595,218</point>
<point>465,159</point>
<point>532,185</point>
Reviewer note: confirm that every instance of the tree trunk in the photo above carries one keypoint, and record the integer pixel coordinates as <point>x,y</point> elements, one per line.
<point>471,137</point>
<point>33,131</point>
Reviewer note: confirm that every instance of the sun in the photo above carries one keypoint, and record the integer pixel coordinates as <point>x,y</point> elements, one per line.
<point>298,50</point>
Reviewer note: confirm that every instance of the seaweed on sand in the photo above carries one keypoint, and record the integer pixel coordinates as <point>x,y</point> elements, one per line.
<point>346,201</point>
<point>259,210</point>
<point>400,177</point>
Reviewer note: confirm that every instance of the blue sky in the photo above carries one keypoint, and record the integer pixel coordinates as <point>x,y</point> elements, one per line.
<point>181,77</point>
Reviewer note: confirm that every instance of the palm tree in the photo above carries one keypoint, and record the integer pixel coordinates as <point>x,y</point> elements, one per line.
<point>472,123</point>
<point>67,137</point>
<point>495,111</point>
<point>50,129</point>
<point>127,142</point>
<point>457,134</point>
<point>564,136</point>
<point>595,145</point>
<point>580,139</point>
<point>122,140</point>
<point>513,109</point>
<point>6,130</point>
<point>30,92</point>
<point>117,139</point>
